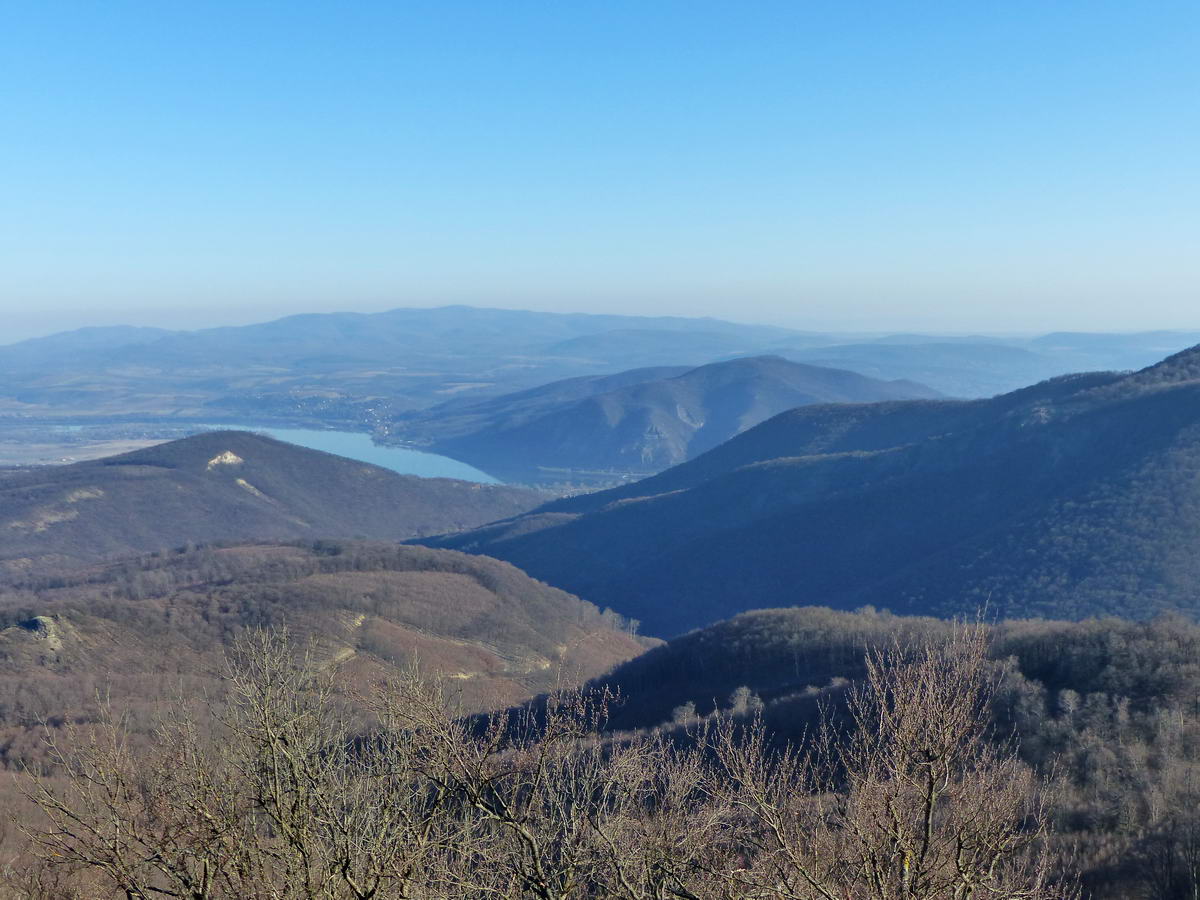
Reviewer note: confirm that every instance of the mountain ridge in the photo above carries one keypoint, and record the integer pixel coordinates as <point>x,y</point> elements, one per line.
<point>1076,497</point>
<point>645,425</point>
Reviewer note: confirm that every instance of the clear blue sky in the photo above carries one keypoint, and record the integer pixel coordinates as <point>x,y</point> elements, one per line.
<point>1010,166</point>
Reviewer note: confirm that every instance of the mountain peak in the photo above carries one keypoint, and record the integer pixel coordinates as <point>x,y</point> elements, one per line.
<point>634,423</point>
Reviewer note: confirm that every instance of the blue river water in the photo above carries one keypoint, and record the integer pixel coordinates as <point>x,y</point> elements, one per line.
<point>356,445</point>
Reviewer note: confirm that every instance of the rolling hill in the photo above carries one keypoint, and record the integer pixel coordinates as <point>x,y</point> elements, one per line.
<point>144,629</point>
<point>636,422</point>
<point>1076,497</point>
<point>225,485</point>
<point>787,658</point>
<point>464,416</point>
<point>467,335</point>
<point>1088,703</point>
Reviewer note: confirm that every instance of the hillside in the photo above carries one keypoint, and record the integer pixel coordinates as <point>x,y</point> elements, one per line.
<point>637,422</point>
<point>785,657</point>
<point>67,348</point>
<point>464,416</point>
<point>635,346</point>
<point>1105,707</point>
<point>143,628</point>
<point>463,333</point>
<point>1077,497</point>
<point>225,485</point>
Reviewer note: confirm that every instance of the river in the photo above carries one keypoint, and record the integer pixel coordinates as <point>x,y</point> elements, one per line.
<point>357,445</point>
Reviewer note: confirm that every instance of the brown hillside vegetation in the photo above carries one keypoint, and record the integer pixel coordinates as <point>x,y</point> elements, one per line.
<point>1106,707</point>
<point>225,486</point>
<point>266,791</point>
<point>144,629</point>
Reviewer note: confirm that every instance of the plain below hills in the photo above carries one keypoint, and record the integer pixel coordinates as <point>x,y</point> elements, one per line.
<point>633,423</point>
<point>1076,497</point>
<point>226,485</point>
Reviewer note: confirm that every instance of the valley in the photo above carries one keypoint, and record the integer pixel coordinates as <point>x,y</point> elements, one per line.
<point>600,451</point>
<point>711,544</point>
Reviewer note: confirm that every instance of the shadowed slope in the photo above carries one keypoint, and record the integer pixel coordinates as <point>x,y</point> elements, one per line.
<point>652,422</point>
<point>1076,497</point>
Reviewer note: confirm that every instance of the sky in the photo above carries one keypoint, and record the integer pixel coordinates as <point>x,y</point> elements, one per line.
<point>998,167</point>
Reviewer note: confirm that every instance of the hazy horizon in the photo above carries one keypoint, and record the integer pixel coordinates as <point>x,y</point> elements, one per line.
<point>196,320</point>
<point>824,166</point>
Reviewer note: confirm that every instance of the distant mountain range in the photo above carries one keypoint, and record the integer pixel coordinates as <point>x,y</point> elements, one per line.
<point>344,367</point>
<point>635,422</point>
<point>225,485</point>
<point>983,367</point>
<point>359,371</point>
<point>1079,496</point>
<point>977,368</point>
<point>471,336</point>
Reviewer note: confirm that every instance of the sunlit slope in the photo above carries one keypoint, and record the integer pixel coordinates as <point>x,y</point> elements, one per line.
<point>225,486</point>
<point>146,628</point>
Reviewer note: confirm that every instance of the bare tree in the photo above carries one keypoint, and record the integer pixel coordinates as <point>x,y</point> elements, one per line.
<point>278,797</point>
<point>146,823</point>
<point>281,793</point>
<point>1168,855</point>
<point>910,798</point>
<point>566,812</point>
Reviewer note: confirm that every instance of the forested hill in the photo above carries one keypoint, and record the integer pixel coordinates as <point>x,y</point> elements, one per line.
<point>1076,497</point>
<point>1107,708</point>
<point>828,429</point>
<point>225,485</point>
<point>462,417</point>
<point>138,628</point>
<point>641,421</point>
